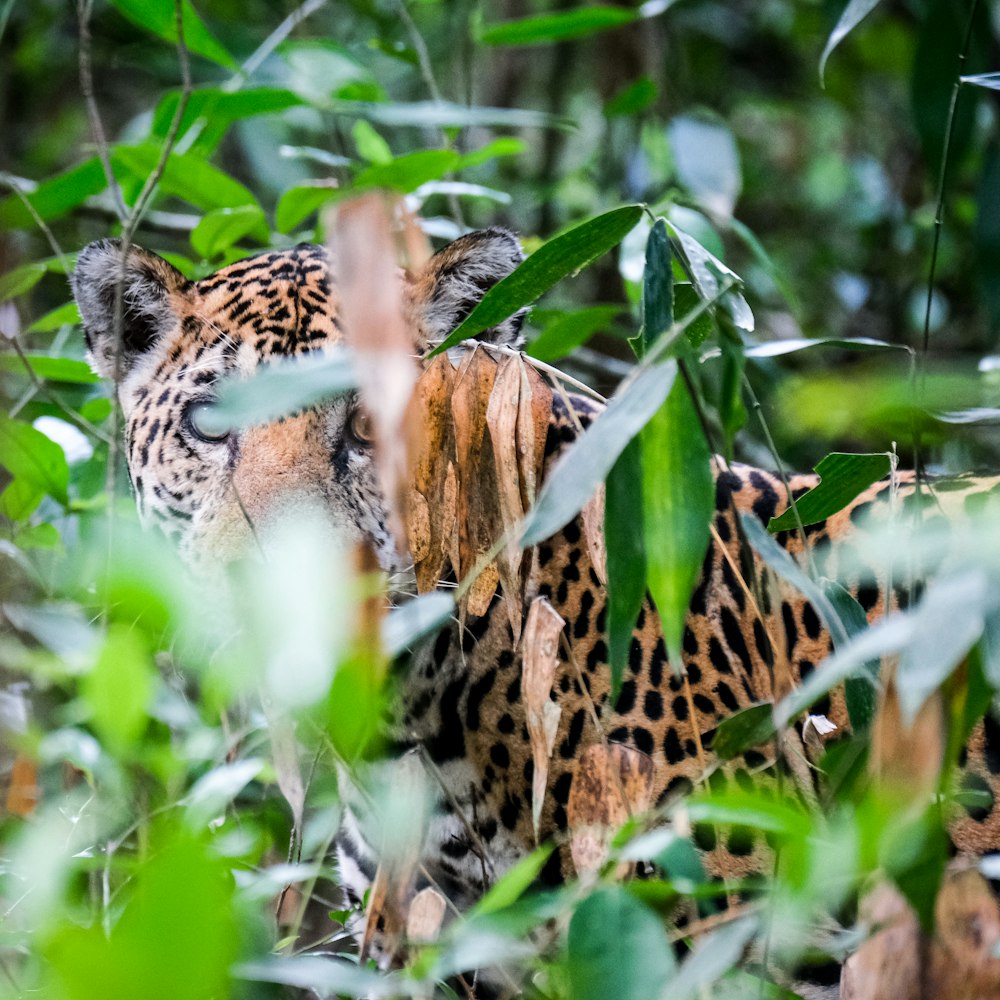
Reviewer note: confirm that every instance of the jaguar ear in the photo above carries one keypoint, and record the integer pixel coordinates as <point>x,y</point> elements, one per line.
<point>147,282</point>
<point>458,276</point>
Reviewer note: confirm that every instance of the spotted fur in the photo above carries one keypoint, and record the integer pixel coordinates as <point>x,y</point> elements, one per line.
<point>460,700</point>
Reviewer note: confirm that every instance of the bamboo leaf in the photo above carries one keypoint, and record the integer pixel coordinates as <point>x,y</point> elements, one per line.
<point>543,29</point>
<point>565,254</point>
<point>159,18</point>
<point>853,14</point>
<point>843,477</point>
<point>678,504</point>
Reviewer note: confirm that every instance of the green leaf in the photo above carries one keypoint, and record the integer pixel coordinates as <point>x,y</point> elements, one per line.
<point>626,557</point>
<point>843,477</point>
<point>567,253</point>
<point>860,691</point>
<point>513,884</point>
<point>299,202</point>
<point>853,14</point>
<point>632,100</point>
<point>415,618</point>
<point>444,114</point>
<point>570,330</point>
<point>504,146</point>
<point>708,275</point>
<point>158,924</point>
<point>369,144</point>
<point>991,81</point>
<point>777,348</point>
<point>186,176</point>
<point>707,162</point>
<point>732,412</point>
<point>714,956</point>
<point>657,288</point>
<point>221,106</point>
<point>585,465</point>
<point>947,622</point>
<point>20,280</point>
<point>617,948</point>
<point>330,975</point>
<point>753,809</point>
<point>678,504</point>
<point>743,731</point>
<point>221,228</point>
<point>34,459</point>
<point>54,197</point>
<point>543,29</point>
<point>407,173</point>
<point>159,18</point>
<point>67,315</point>
<point>278,389</point>
<point>118,689</point>
<point>51,369</point>
<point>213,791</point>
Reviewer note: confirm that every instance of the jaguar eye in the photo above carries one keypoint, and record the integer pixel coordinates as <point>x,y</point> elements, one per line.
<point>361,428</point>
<point>205,423</point>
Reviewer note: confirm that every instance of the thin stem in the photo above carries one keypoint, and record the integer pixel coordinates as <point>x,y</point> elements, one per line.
<point>943,173</point>
<point>427,72</point>
<point>83,9</point>
<point>14,184</point>
<point>42,389</point>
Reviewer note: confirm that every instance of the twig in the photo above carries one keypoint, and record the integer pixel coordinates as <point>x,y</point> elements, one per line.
<point>42,389</point>
<point>271,43</point>
<point>427,72</point>
<point>83,8</point>
<point>13,183</point>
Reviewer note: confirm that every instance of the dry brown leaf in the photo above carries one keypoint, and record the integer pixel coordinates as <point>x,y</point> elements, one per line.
<point>429,521</point>
<point>477,507</point>
<point>538,670</point>
<point>426,915</point>
<point>533,416</point>
<point>888,963</point>
<point>502,421</point>
<point>963,962</point>
<point>957,963</point>
<point>418,530</point>
<point>383,917</point>
<point>22,795</point>
<point>907,758</point>
<point>373,313</point>
<point>592,516</point>
<point>611,782</point>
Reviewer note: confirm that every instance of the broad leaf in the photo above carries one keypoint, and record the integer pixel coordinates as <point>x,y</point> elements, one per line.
<point>777,348</point>
<point>853,14</point>
<point>159,17</point>
<point>54,197</point>
<point>51,369</point>
<point>860,690</point>
<point>33,459</point>
<point>186,176</point>
<point>20,280</point>
<point>118,688</point>
<point>617,948</point>
<point>221,106</point>
<point>407,173</point>
<point>221,228</point>
<point>543,29</point>
<point>565,254</point>
<point>299,202</point>
<point>843,477</point>
<point>744,730</point>
<point>514,883</point>
<point>67,315</point>
<point>713,956</point>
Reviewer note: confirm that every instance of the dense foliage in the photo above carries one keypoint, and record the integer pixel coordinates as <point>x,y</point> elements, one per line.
<point>166,835</point>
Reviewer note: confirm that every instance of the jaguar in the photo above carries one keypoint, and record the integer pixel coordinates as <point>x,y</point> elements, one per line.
<point>460,700</point>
